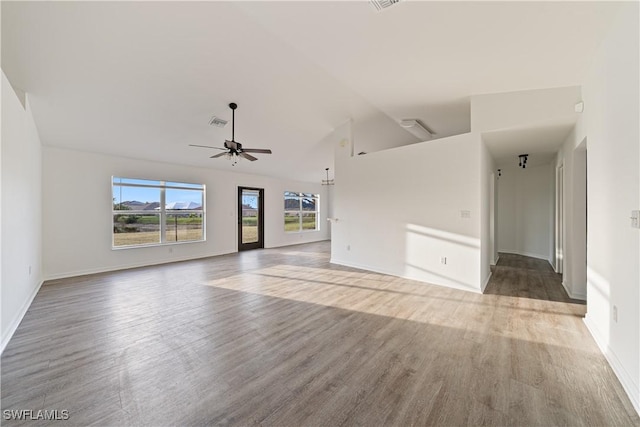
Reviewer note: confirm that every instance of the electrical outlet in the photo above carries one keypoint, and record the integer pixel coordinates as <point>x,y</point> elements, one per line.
<point>635,219</point>
<point>348,247</point>
<point>170,250</point>
<point>443,260</point>
<point>29,270</point>
<point>615,314</point>
<point>465,214</point>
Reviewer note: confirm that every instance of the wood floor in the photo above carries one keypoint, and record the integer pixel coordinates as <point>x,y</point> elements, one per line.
<point>281,337</point>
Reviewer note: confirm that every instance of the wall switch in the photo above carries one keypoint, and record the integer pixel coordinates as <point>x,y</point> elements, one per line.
<point>465,214</point>
<point>635,219</point>
<point>615,314</point>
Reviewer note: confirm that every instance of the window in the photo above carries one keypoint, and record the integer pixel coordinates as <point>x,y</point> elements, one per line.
<point>301,212</point>
<point>149,212</point>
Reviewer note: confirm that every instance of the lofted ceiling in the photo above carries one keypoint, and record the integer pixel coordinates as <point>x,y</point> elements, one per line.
<point>142,79</point>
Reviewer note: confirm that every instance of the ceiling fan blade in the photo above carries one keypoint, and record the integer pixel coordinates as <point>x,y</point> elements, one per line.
<point>247,156</point>
<point>205,146</point>
<point>257,150</point>
<point>219,155</point>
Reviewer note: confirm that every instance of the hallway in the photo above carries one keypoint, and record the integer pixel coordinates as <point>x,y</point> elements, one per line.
<point>527,277</point>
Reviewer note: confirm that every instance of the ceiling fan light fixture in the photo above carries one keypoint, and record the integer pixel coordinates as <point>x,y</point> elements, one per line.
<point>218,122</point>
<point>232,150</point>
<point>416,129</point>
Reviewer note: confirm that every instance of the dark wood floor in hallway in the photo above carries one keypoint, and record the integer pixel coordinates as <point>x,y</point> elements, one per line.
<point>282,337</point>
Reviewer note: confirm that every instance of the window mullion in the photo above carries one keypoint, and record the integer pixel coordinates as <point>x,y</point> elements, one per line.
<point>163,216</point>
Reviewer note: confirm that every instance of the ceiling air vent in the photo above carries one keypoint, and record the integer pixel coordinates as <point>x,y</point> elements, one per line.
<point>378,5</point>
<point>218,122</point>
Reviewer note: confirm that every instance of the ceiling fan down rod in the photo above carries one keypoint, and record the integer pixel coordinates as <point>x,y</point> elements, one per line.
<point>233,107</point>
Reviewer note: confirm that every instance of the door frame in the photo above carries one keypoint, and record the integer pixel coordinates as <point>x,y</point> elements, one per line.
<point>260,243</point>
<point>560,225</point>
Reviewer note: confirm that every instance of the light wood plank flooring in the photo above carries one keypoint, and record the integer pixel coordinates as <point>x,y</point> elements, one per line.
<point>281,337</point>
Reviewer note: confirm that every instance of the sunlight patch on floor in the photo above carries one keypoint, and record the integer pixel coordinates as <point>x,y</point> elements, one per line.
<point>400,298</point>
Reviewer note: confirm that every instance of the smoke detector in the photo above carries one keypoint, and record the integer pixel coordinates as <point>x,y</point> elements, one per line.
<point>378,5</point>
<point>218,122</point>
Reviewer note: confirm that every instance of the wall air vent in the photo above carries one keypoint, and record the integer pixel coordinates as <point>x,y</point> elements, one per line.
<point>378,5</point>
<point>218,122</point>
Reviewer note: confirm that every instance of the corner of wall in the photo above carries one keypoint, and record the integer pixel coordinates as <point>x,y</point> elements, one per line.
<point>21,185</point>
<point>11,328</point>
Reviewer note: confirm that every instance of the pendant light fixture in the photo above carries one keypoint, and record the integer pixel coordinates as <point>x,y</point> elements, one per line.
<point>327,181</point>
<point>523,160</point>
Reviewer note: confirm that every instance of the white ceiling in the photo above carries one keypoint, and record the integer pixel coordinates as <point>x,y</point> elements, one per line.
<point>142,79</point>
<point>541,142</point>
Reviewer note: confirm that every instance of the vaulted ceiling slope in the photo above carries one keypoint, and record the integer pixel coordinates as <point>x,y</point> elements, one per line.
<point>142,79</point>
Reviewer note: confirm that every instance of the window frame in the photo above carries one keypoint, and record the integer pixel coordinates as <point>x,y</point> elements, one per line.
<point>162,211</point>
<point>300,211</point>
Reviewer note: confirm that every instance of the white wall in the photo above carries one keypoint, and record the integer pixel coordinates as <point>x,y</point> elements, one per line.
<point>572,157</point>
<point>77,212</point>
<point>496,111</point>
<point>487,182</point>
<point>525,209</point>
<point>378,132</point>
<point>21,275</point>
<point>611,96</point>
<point>399,211</point>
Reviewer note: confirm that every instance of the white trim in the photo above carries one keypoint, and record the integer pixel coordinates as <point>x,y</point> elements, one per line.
<point>486,282</point>
<point>304,242</point>
<point>15,322</point>
<point>468,288</point>
<point>162,212</point>
<point>627,381</point>
<point>573,295</point>
<point>529,254</point>
<point>300,211</point>
<point>77,273</point>
<point>153,245</point>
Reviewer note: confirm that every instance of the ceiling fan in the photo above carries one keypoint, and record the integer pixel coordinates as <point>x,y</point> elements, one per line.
<point>233,149</point>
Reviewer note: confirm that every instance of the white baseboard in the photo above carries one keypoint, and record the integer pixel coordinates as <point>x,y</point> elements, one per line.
<point>304,242</point>
<point>76,273</point>
<point>573,295</point>
<point>15,322</point>
<point>486,282</point>
<point>627,381</point>
<point>68,274</point>
<point>404,276</point>
<point>529,254</point>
